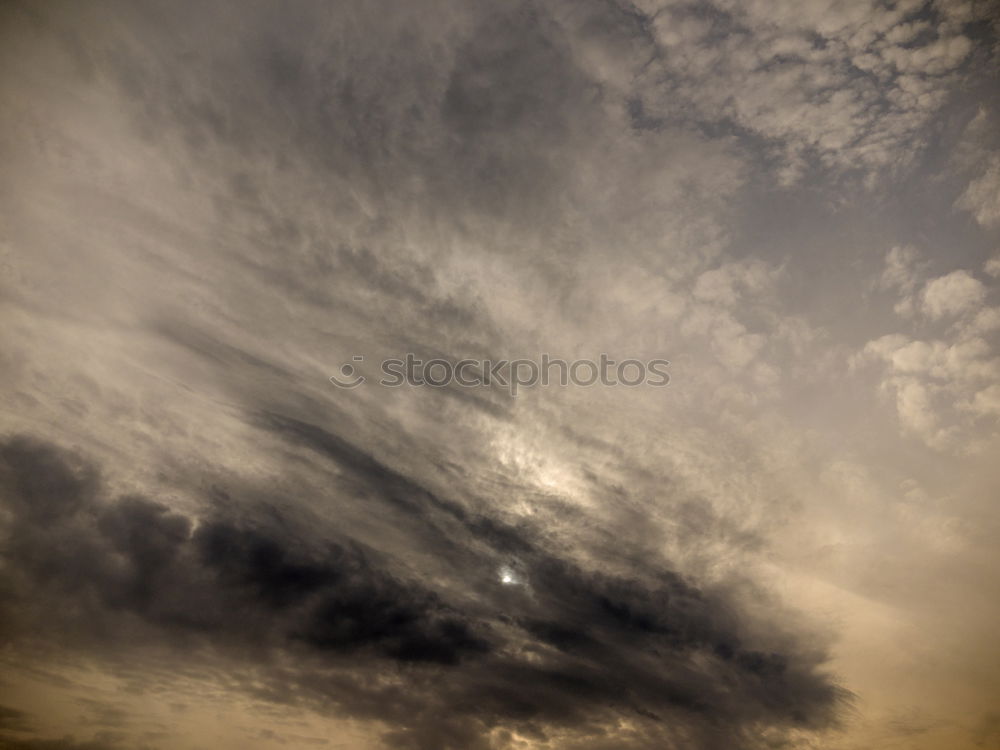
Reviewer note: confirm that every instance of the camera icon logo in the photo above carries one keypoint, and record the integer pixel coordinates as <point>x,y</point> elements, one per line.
<point>348,377</point>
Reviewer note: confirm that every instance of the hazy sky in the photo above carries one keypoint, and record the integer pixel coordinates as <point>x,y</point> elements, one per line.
<point>207,208</point>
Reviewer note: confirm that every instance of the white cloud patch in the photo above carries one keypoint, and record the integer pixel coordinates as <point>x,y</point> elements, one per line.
<point>943,386</point>
<point>843,85</point>
<point>992,266</point>
<point>956,293</point>
<point>900,269</point>
<point>982,197</point>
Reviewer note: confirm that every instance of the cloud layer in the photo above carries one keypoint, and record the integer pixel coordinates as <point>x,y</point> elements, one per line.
<point>207,210</point>
<point>561,646</point>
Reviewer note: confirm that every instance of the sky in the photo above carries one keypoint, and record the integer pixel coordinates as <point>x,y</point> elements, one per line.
<point>210,209</point>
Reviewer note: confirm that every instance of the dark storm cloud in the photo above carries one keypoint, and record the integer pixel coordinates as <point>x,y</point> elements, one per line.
<point>562,647</point>
<point>389,485</point>
<point>13,720</point>
<point>224,577</point>
<point>66,743</point>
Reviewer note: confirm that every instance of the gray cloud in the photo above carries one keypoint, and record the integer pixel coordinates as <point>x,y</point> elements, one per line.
<point>566,646</point>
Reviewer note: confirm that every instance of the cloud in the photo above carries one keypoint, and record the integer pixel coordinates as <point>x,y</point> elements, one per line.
<point>134,555</point>
<point>65,743</point>
<point>982,196</point>
<point>956,293</point>
<point>564,649</point>
<point>900,270</point>
<point>207,211</point>
<point>941,385</point>
<point>845,86</point>
<point>11,719</point>
<point>992,267</point>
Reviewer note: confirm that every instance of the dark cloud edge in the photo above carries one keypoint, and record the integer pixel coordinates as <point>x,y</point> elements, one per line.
<point>242,582</point>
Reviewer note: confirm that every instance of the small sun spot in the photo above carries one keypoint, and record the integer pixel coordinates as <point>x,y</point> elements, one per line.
<point>507,576</point>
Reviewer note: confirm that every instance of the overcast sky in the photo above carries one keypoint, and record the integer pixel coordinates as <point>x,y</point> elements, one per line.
<point>207,208</point>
